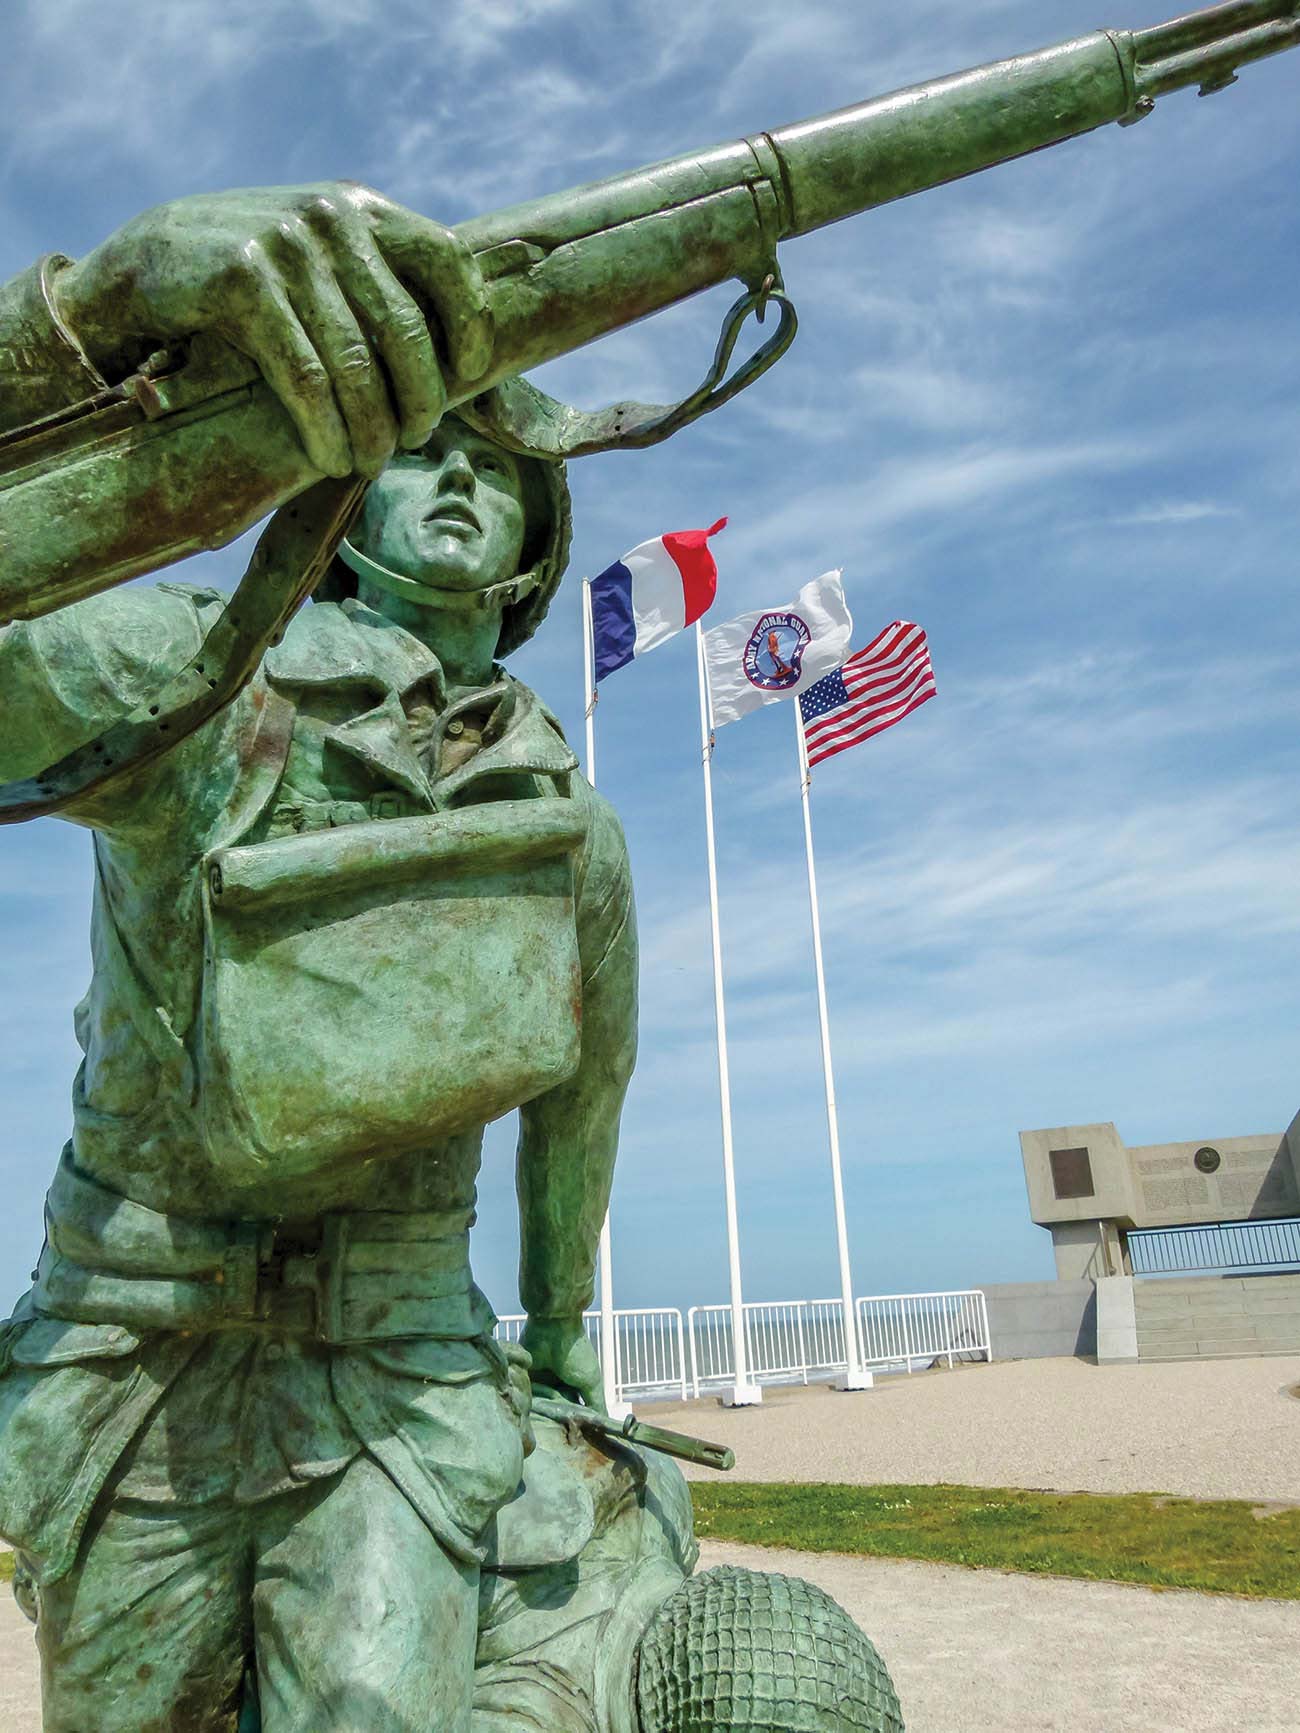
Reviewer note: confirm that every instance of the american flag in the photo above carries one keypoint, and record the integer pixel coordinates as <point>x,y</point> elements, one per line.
<point>875,688</point>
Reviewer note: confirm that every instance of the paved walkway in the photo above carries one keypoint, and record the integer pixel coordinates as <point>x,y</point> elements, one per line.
<point>987,1652</point>
<point>1199,1429</point>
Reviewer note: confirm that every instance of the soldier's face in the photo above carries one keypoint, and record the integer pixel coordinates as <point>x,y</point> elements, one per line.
<point>450,516</point>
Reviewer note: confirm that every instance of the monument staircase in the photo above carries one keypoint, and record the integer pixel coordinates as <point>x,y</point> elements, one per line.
<point>1207,1317</point>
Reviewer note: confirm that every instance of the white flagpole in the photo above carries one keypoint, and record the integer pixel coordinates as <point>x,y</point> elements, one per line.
<point>856,1377</point>
<point>618,1409</point>
<point>589,681</point>
<point>744,1394</point>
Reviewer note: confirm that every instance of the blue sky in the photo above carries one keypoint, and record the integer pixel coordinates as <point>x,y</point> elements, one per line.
<point>1052,413</point>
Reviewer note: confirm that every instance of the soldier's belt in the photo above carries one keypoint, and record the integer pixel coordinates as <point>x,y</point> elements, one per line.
<point>359,1276</point>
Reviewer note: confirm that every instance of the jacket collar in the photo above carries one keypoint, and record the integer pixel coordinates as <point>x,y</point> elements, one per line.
<point>521,737</point>
<point>381,739</point>
<point>347,643</point>
<point>340,644</point>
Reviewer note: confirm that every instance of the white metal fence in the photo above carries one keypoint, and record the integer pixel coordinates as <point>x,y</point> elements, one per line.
<point>906,1329</point>
<point>787,1341</point>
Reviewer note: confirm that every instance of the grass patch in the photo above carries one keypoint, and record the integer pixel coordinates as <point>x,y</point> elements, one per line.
<point>1223,1547</point>
<point>1220,1546</point>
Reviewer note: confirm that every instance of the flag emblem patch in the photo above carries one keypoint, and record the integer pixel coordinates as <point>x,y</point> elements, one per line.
<point>773,654</point>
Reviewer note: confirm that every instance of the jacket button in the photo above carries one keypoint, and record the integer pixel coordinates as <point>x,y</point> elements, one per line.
<point>455,727</point>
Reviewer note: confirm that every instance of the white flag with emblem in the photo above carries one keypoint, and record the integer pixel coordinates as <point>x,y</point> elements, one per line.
<point>777,652</point>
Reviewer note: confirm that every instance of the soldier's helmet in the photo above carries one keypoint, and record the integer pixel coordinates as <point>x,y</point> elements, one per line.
<point>549,529</point>
<point>548,517</point>
<point>737,1649</point>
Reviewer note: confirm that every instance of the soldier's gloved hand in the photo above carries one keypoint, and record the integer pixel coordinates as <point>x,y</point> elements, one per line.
<point>563,1358</point>
<point>519,1390</point>
<point>325,287</point>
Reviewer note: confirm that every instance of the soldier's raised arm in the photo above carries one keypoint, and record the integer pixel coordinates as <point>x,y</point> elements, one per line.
<point>568,1138</point>
<point>328,288</point>
<point>68,676</point>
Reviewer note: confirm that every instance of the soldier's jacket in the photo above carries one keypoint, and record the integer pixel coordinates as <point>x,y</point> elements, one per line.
<point>346,922</point>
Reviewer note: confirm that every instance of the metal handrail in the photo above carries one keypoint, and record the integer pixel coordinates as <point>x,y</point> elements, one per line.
<point>1249,1245</point>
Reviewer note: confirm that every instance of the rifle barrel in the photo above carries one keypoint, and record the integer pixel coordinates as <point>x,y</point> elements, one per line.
<point>928,134</point>
<point>633,1431</point>
<point>1213,63</point>
<point>1210,24</point>
<point>572,265</point>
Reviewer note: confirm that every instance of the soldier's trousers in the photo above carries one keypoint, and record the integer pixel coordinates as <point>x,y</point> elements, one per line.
<point>360,1621</point>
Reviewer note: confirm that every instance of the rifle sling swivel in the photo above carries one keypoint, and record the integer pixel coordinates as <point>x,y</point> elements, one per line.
<point>527,421</point>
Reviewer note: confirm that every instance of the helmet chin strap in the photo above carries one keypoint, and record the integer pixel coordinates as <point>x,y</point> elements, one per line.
<point>500,596</point>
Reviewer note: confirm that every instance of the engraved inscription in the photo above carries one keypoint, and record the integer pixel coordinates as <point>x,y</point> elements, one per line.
<point>1168,1194</point>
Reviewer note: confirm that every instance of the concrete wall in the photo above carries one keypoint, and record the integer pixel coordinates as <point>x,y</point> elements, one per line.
<point>1208,1317</point>
<point>1036,1320</point>
<point>1121,1318</point>
<point>1087,1250</point>
<point>1116,1320</point>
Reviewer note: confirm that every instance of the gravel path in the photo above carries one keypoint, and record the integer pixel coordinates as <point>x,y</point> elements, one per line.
<point>1200,1429</point>
<point>989,1652</point>
<point>20,1686</point>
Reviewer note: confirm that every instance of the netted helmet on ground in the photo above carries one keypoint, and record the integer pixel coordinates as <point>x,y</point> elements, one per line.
<point>737,1649</point>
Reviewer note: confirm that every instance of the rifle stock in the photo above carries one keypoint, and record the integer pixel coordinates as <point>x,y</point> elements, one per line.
<point>193,454</point>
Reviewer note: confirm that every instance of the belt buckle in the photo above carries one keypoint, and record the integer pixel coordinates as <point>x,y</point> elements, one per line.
<point>279,1247</point>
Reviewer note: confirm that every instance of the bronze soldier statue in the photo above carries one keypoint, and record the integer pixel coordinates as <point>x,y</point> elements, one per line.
<point>252,1405</point>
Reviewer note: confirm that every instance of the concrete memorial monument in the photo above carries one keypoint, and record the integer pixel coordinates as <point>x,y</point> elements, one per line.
<point>263,1460</point>
<point>1091,1190</point>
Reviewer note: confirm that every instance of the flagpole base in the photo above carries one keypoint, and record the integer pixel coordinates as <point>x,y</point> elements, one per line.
<point>856,1381</point>
<point>743,1396</point>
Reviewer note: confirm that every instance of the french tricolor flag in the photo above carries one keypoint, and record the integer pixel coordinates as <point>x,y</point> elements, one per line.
<point>649,594</point>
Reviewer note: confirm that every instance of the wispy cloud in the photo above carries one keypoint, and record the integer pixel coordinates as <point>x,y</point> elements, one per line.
<point>935,397</point>
<point>1176,511</point>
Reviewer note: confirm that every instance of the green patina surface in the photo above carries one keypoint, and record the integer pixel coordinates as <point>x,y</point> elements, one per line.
<point>353,901</point>
<point>1224,1547</point>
